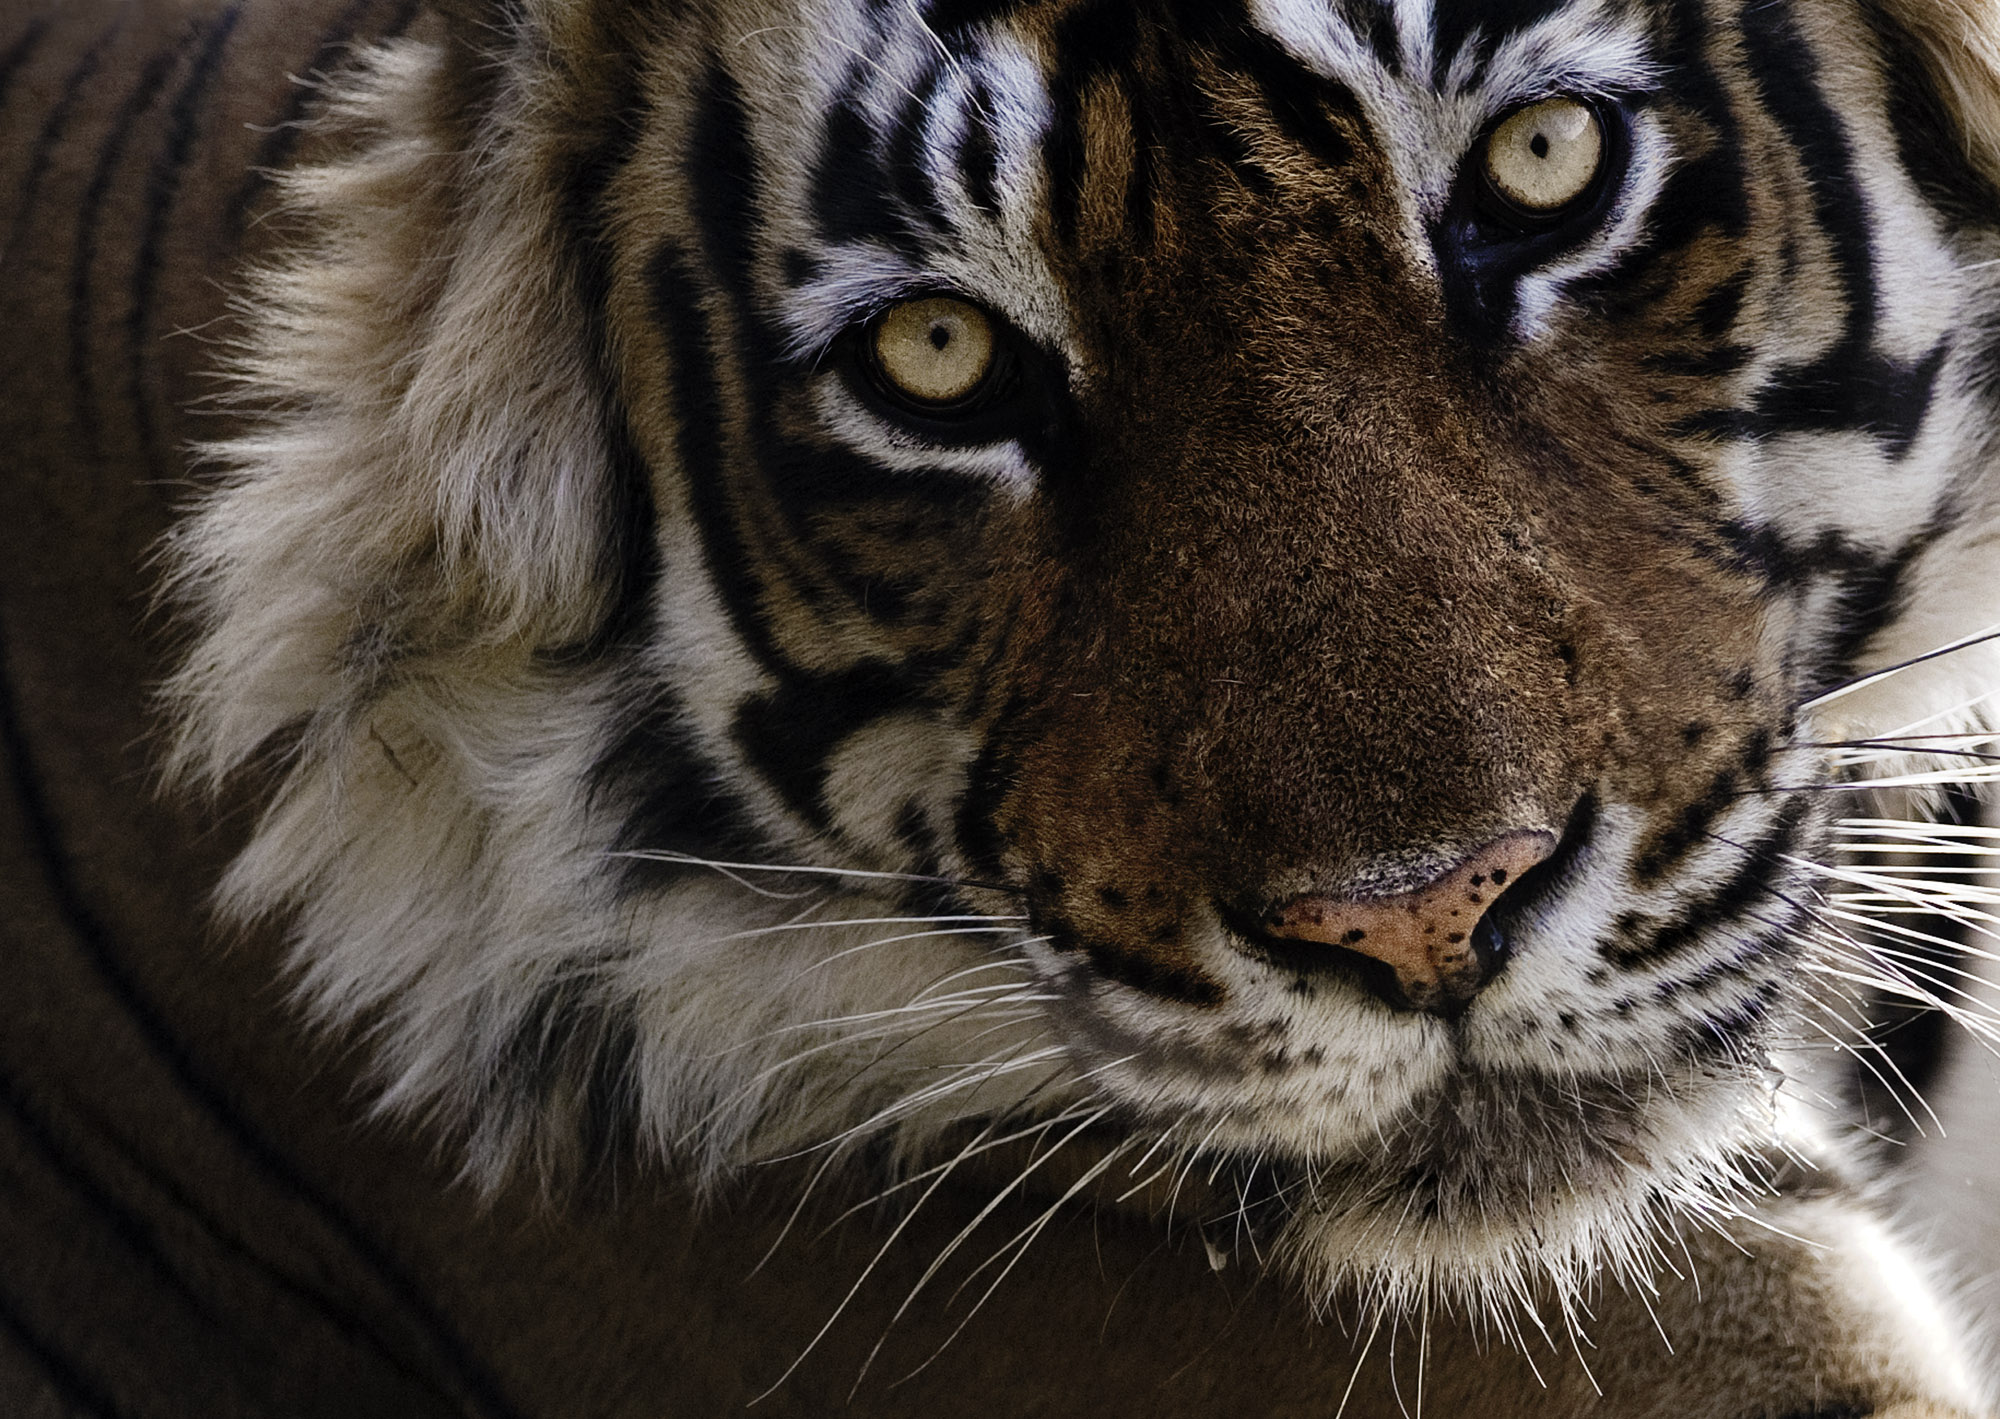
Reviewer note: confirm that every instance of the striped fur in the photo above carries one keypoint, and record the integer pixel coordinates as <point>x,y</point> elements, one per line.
<point>679,752</point>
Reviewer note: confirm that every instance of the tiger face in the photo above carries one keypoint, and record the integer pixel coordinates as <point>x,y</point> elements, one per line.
<point>1281,563</point>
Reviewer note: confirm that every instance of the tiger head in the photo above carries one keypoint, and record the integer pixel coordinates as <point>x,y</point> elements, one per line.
<point>1275,576</point>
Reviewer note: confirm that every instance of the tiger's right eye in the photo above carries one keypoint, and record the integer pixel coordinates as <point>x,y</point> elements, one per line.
<point>934,353</point>
<point>1544,158</point>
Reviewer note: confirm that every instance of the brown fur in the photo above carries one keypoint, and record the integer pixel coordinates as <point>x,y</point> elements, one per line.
<point>192,1221</point>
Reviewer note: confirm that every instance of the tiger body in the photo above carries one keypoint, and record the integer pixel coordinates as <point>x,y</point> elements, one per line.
<point>679,749</point>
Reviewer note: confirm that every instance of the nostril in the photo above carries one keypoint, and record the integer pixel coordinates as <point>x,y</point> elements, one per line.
<point>1437,941</point>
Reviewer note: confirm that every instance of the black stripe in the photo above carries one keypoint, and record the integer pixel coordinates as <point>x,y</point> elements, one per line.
<point>1852,386</point>
<point>974,814</point>
<point>698,426</point>
<point>724,175</point>
<point>1669,845</point>
<point>573,1049</point>
<point>955,19</point>
<point>1757,880</point>
<point>1302,102</point>
<point>977,158</point>
<point>1142,972</point>
<point>163,186</point>
<point>906,158</point>
<point>1736,1035</point>
<point>789,734</point>
<point>1930,141</point>
<point>1757,549</point>
<point>464,1377</point>
<point>1454,21</point>
<point>76,1388</point>
<point>82,285</point>
<point>1098,39</point>
<point>285,130</point>
<point>853,192</point>
<point>55,125</point>
<point>1870,596</point>
<point>1708,194</point>
<point>671,800</point>
<point>1376,19</point>
<point>17,54</point>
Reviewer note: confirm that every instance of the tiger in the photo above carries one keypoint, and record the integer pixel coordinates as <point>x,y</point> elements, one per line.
<point>1260,614</point>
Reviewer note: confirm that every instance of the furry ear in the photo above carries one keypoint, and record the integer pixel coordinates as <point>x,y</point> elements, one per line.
<point>1959,41</point>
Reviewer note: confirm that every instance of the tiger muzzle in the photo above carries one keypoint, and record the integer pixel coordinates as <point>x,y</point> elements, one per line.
<point>1438,941</point>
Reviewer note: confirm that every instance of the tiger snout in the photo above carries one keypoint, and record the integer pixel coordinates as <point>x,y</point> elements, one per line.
<point>1438,942</point>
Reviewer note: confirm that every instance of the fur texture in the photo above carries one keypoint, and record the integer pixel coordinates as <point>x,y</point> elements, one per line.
<point>679,751</point>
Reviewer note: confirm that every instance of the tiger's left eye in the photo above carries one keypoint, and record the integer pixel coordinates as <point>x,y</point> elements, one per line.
<point>935,352</point>
<point>1545,157</point>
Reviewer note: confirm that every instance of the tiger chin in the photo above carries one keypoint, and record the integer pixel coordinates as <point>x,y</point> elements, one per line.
<point>1256,591</point>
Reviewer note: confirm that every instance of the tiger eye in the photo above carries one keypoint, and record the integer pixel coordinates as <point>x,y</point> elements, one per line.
<point>1546,156</point>
<point>937,350</point>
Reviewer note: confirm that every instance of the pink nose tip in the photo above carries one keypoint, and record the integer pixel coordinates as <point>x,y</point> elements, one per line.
<point>1427,937</point>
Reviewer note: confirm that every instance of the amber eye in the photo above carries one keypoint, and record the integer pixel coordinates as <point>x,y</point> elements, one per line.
<point>1546,156</point>
<point>937,351</point>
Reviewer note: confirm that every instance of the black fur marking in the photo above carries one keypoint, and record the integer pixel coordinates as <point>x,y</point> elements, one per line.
<point>1454,21</point>
<point>1376,19</point>
<point>163,184</point>
<point>1929,144</point>
<point>452,1365</point>
<point>853,191</point>
<point>1142,973</point>
<point>82,282</point>
<point>1756,881</point>
<point>1301,101</point>
<point>1760,551</point>
<point>905,158</point>
<point>55,124</point>
<point>631,554</point>
<point>699,424</point>
<point>672,801</point>
<point>1852,386</point>
<point>724,176</point>
<point>285,130</point>
<point>1871,596</point>
<point>1722,307</point>
<point>15,57</point>
<point>789,734</point>
<point>1706,364</point>
<point>977,159</point>
<point>1096,39</point>
<point>1689,828</point>
<point>1731,1036</point>
<point>986,788</point>
<point>1669,846</point>
<point>953,19</point>
<point>1708,193</point>
<point>575,1051</point>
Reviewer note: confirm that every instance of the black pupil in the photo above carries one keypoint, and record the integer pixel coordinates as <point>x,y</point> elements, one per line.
<point>940,336</point>
<point>1539,145</point>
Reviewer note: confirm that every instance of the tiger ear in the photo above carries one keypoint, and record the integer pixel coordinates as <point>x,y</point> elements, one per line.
<point>1959,42</point>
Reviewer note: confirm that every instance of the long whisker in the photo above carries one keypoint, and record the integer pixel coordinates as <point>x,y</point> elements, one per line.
<point>686,859</point>
<point>1872,677</point>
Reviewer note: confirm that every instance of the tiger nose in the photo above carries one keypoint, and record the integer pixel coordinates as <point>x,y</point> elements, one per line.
<point>1437,942</point>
